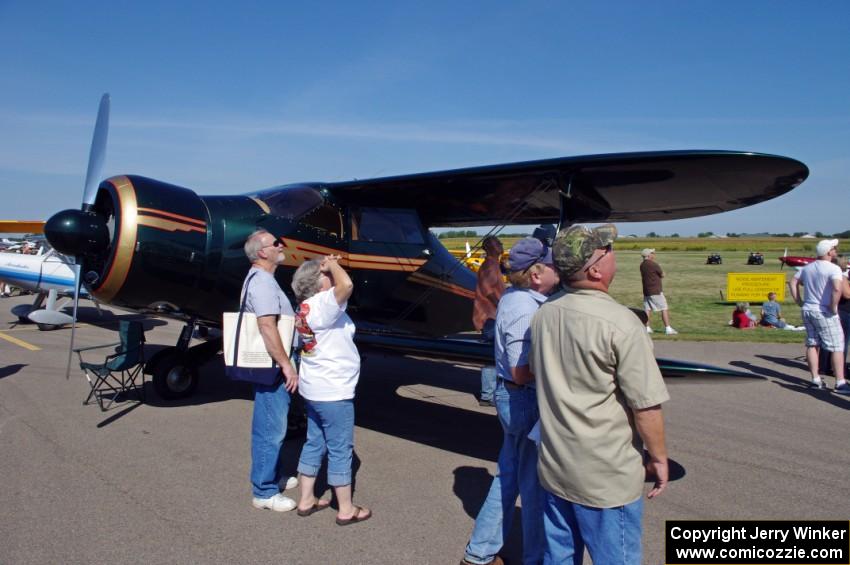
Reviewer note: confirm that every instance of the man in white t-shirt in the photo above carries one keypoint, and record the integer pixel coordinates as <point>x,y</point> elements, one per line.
<point>822,282</point>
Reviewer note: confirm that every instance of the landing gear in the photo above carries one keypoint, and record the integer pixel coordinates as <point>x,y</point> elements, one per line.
<point>174,377</point>
<point>175,369</point>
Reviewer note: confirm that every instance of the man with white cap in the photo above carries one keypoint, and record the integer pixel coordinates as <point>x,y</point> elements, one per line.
<point>653,297</point>
<point>823,283</point>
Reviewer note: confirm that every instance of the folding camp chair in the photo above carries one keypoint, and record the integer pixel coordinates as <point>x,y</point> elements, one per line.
<point>121,371</point>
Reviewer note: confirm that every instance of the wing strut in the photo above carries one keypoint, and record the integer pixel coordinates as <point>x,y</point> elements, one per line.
<point>544,184</point>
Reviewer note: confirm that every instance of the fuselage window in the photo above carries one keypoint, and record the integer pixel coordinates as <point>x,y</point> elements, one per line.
<point>389,225</point>
<point>290,202</point>
<point>326,219</point>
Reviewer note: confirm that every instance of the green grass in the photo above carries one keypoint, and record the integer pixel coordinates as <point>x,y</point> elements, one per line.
<point>693,288</point>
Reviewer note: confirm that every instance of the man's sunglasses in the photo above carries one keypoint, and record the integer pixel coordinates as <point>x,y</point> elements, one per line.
<point>276,243</point>
<point>608,248</point>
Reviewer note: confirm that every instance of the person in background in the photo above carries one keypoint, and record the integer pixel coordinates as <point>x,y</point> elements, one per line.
<point>771,314</point>
<point>653,296</point>
<point>823,284</point>
<point>488,290</point>
<point>742,318</point>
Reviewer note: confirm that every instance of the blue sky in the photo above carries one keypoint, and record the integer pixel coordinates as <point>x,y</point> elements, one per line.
<point>231,97</point>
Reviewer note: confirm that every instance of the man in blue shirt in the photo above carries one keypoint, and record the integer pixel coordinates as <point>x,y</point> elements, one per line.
<point>532,276</point>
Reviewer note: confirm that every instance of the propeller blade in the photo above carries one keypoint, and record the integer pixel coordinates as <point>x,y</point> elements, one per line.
<point>97,155</point>
<point>77,282</point>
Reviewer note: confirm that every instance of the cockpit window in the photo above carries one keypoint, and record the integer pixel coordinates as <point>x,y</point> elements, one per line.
<point>388,225</point>
<point>290,202</point>
<point>325,219</point>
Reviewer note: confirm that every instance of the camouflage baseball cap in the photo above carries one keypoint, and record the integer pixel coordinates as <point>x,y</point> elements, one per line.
<point>575,245</point>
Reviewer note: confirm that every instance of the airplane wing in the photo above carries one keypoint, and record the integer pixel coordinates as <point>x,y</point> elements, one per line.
<point>633,187</point>
<point>21,226</point>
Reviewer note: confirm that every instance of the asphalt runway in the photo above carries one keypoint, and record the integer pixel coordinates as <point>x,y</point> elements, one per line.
<point>167,482</point>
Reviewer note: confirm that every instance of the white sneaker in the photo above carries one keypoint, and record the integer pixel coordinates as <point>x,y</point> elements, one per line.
<point>278,503</point>
<point>670,331</point>
<point>291,483</point>
<point>648,330</point>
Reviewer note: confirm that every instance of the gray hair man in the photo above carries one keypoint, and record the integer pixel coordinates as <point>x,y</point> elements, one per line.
<point>265,299</point>
<point>600,393</point>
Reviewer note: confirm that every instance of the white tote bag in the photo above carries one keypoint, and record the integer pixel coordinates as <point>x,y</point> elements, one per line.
<point>245,355</point>
<point>252,349</point>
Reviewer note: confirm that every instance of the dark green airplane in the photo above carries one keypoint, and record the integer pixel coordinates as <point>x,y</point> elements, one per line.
<point>155,248</point>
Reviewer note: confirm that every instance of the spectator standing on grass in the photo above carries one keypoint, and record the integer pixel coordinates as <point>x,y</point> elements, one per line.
<point>823,283</point>
<point>653,296</point>
<point>488,291</point>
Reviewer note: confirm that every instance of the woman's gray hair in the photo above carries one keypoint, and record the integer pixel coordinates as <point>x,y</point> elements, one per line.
<point>305,281</point>
<point>253,245</point>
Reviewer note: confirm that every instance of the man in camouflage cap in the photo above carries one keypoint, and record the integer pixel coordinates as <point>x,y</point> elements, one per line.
<point>598,388</point>
<point>575,245</point>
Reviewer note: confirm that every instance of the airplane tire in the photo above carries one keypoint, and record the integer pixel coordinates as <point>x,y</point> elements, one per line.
<point>174,378</point>
<point>47,327</point>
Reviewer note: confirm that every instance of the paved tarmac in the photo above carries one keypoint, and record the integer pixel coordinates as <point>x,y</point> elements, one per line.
<point>167,482</point>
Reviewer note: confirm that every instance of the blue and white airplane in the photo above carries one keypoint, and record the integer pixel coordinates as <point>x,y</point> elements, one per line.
<point>50,276</point>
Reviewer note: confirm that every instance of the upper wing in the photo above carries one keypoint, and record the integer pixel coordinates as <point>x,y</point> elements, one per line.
<point>633,187</point>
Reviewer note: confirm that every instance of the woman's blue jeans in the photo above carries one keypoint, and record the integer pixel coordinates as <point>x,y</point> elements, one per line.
<point>330,430</point>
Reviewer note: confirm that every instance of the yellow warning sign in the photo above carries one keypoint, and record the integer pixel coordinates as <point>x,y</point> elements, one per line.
<point>753,287</point>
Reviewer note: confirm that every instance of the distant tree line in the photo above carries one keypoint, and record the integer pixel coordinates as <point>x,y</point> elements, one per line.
<point>820,235</point>
<point>472,234</point>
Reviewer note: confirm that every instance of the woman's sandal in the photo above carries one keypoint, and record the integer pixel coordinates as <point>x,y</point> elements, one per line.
<point>356,517</point>
<point>313,509</point>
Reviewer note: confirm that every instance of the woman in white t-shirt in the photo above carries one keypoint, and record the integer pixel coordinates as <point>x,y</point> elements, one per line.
<point>330,368</point>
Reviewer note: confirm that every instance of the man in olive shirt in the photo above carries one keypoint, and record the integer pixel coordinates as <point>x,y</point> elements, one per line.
<point>599,394</point>
<point>653,297</point>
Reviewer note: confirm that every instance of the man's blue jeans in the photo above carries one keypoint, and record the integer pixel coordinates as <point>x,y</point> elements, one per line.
<point>268,429</point>
<point>517,475</point>
<point>330,429</point>
<point>611,535</point>
<point>488,373</point>
<point>488,382</point>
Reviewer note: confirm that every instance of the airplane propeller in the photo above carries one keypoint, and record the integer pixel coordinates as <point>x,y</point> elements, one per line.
<point>81,232</point>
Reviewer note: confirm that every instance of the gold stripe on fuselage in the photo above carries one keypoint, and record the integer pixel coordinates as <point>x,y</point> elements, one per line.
<point>298,251</point>
<point>186,219</point>
<point>167,225</point>
<point>442,285</point>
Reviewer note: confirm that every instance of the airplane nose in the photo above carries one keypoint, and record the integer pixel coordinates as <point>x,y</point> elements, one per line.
<point>75,232</point>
